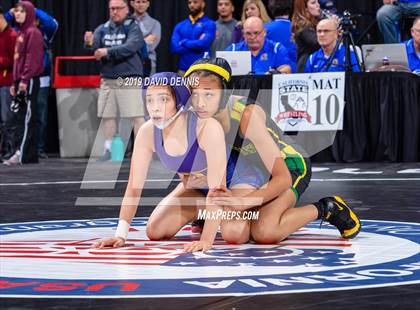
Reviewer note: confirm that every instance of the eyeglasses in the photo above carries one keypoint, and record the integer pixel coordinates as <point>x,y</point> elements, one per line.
<point>325,31</point>
<point>252,34</point>
<point>117,8</point>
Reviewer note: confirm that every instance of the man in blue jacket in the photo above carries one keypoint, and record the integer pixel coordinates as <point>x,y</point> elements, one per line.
<point>117,45</point>
<point>192,38</point>
<point>389,16</point>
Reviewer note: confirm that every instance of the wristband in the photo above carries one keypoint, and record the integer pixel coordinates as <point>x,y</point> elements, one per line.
<point>122,229</point>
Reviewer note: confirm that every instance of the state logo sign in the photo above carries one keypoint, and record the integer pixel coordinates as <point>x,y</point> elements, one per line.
<point>55,259</point>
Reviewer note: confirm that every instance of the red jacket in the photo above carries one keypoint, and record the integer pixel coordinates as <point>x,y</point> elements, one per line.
<point>29,50</point>
<point>7,49</point>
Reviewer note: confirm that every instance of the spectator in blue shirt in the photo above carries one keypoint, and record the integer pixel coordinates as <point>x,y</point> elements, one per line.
<point>192,38</point>
<point>267,56</point>
<point>389,16</point>
<point>327,36</point>
<point>280,29</point>
<point>413,47</point>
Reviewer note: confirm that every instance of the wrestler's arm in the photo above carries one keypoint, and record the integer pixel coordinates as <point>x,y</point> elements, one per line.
<point>253,127</point>
<point>211,139</point>
<point>140,162</point>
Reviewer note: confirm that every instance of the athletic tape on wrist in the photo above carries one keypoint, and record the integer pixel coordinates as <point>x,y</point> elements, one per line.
<point>122,229</point>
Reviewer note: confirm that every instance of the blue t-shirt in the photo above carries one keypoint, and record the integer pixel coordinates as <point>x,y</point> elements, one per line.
<point>317,61</point>
<point>413,58</point>
<point>271,56</point>
<point>280,30</point>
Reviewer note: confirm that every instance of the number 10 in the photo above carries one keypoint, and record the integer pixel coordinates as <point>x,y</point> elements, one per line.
<point>331,118</point>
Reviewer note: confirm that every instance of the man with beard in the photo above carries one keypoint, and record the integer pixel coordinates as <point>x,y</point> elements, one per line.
<point>192,38</point>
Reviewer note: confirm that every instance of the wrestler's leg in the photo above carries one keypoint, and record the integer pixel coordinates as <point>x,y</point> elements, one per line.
<point>278,219</point>
<point>236,230</point>
<point>173,212</point>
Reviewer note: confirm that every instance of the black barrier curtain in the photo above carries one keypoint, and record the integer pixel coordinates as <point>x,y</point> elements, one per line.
<point>77,16</point>
<point>381,116</point>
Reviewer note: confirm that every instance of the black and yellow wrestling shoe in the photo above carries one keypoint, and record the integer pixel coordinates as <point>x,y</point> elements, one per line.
<point>339,214</point>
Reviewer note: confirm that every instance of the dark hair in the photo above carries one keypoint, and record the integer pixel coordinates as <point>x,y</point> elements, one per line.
<point>231,2</point>
<point>280,7</point>
<point>1,10</point>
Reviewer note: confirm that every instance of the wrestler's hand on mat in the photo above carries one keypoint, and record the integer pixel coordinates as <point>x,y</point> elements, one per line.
<point>196,246</point>
<point>114,242</point>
